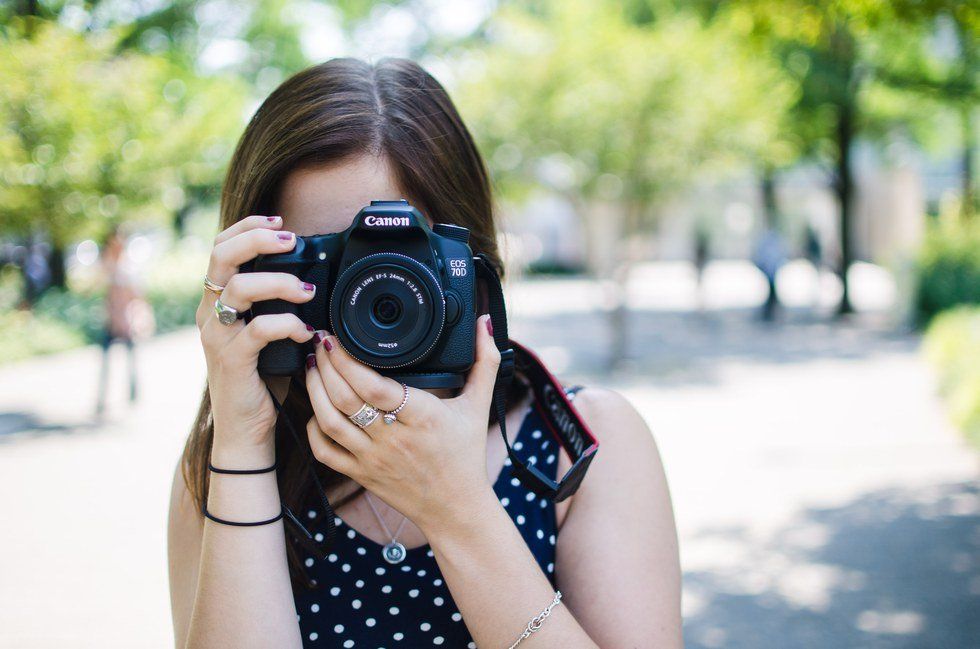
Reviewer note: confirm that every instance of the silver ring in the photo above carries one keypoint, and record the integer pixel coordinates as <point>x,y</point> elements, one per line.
<point>212,286</point>
<point>226,315</point>
<point>392,416</point>
<point>365,416</point>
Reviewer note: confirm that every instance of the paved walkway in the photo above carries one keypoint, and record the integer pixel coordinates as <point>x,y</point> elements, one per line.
<point>822,499</point>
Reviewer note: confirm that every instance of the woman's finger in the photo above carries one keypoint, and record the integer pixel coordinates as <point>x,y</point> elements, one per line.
<point>330,419</point>
<point>380,391</point>
<point>264,329</point>
<point>478,390</point>
<point>244,289</point>
<point>231,253</point>
<point>329,452</point>
<point>249,223</point>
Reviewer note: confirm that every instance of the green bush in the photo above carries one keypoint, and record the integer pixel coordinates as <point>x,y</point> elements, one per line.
<point>952,343</point>
<point>24,334</point>
<point>948,269</point>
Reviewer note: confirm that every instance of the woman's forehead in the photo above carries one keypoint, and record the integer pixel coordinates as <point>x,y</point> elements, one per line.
<point>325,199</point>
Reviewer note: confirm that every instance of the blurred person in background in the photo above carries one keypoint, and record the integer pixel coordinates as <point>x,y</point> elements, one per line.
<point>769,256</point>
<point>127,315</point>
<point>482,557</point>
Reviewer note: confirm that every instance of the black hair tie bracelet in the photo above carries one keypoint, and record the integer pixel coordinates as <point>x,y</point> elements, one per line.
<point>209,516</point>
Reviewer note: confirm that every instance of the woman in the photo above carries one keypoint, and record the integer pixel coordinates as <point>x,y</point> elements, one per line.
<point>484,556</point>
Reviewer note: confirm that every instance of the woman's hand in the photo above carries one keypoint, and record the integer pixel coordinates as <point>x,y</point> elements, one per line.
<point>243,412</point>
<point>431,462</point>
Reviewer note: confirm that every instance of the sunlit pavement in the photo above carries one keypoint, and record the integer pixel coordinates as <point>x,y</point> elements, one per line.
<point>822,498</point>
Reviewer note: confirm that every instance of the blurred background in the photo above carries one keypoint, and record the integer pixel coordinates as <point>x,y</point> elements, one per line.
<point>755,218</point>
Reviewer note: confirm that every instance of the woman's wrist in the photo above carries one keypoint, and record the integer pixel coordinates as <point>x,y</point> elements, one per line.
<point>466,512</point>
<point>227,452</point>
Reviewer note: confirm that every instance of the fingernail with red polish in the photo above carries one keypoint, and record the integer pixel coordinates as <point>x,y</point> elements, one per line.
<point>309,328</point>
<point>285,236</point>
<point>272,219</point>
<point>317,338</point>
<point>326,344</point>
<point>489,326</point>
<point>310,361</point>
<point>309,288</point>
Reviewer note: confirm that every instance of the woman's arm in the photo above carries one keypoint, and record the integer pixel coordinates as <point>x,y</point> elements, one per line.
<point>617,554</point>
<point>230,585</point>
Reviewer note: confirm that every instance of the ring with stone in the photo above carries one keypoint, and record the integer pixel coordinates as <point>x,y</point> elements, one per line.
<point>365,416</point>
<point>392,415</point>
<point>226,315</point>
<point>212,286</point>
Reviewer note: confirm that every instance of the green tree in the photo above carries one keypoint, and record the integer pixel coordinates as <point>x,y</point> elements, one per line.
<point>615,114</point>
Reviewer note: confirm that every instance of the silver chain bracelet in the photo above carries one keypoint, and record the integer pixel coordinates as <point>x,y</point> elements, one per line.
<point>537,620</point>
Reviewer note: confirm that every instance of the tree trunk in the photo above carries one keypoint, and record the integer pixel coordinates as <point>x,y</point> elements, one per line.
<point>844,187</point>
<point>56,266</point>
<point>969,204</point>
<point>767,185</point>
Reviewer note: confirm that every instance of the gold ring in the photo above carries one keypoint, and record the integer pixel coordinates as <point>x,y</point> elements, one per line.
<point>211,286</point>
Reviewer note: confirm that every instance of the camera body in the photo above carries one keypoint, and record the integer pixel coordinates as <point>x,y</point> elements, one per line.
<point>398,295</point>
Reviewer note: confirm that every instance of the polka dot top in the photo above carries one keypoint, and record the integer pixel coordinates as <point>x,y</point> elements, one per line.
<point>363,601</point>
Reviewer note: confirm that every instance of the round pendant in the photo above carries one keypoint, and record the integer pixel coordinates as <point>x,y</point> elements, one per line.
<point>394,552</point>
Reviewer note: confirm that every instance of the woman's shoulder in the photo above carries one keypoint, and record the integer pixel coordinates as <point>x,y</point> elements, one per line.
<point>609,414</point>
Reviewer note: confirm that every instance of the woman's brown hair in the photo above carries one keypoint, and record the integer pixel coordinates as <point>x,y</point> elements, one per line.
<point>326,114</point>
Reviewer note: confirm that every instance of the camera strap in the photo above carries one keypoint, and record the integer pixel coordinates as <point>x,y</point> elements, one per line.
<point>562,418</point>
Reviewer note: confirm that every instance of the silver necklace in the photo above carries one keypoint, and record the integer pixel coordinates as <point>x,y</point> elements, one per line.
<point>393,551</point>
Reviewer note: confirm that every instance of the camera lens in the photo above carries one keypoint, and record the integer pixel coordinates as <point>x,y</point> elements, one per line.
<point>387,310</point>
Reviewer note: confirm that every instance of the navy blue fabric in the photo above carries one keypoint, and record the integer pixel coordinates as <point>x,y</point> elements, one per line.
<point>362,601</point>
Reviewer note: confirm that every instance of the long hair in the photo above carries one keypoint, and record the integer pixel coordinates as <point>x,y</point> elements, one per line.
<point>326,114</point>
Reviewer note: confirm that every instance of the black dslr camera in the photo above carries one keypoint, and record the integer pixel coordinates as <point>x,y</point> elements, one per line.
<point>399,296</point>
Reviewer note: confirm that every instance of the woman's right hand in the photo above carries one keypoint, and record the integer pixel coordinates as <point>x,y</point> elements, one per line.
<point>242,410</point>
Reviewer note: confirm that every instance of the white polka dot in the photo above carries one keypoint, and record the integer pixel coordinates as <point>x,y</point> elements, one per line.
<point>518,446</point>
<point>379,571</point>
<point>335,591</point>
<point>339,628</point>
<point>337,521</point>
<point>437,640</point>
<point>318,537</point>
<point>351,534</point>
<point>398,636</point>
<point>309,563</point>
<point>425,626</point>
<point>356,603</point>
<point>507,462</point>
<point>311,514</point>
<point>359,583</point>
<point>348,644</point>
<point>545,444</point>
<point>315,608</point>
<point>505,501</point>
<point>471,645</point>
<point>551,567</point>
<point>520,519</point>
<point>332,558</point>
<point>370,621</point>
<point>414,592</point>
<point>361,551</point>
<point>540,534</point>
<point>536,434</point>
<point>421,573</point>
<point>314,635</point>
<point>345,567</point>
<point>544,503</point>
<point>515,482</point>
<point>393,610</point>
<point>551,539</point>
<point>530,496</point>
<point>437,582</point>
<point>532,460</point>
<point>551,459</point>
<point>438,601</point>
<point>386,589</point>
<point>457,617</point>
<point>406,568</point>
<point>428,553</point>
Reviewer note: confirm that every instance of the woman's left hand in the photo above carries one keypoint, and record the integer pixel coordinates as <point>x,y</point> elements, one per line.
<point>431,461</point>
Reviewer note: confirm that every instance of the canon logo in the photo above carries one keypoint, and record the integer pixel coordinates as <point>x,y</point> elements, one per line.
<point>385,220</point>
